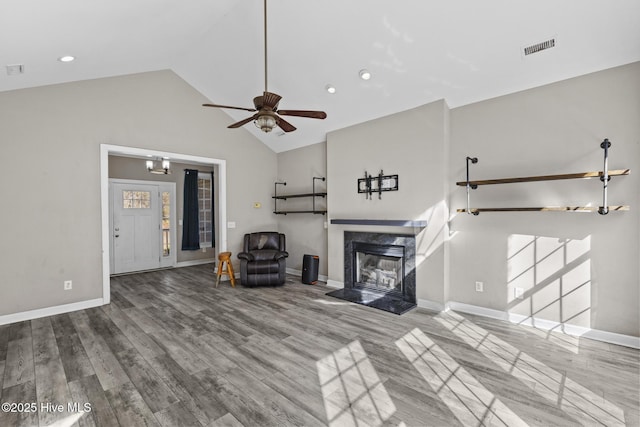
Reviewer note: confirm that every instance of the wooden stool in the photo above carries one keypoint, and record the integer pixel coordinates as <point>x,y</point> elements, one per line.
<point>222,258</point>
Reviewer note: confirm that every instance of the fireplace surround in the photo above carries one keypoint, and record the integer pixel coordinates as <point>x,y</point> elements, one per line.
<point>379,271</point>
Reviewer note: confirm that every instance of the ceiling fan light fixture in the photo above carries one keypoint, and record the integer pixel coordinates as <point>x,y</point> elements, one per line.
<point>265,123</point>
<point>365,74</point>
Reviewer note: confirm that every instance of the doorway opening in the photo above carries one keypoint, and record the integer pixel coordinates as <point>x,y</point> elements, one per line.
<point>107,150</point>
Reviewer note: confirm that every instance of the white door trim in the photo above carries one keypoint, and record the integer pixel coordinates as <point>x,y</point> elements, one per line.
<point>106,150</point>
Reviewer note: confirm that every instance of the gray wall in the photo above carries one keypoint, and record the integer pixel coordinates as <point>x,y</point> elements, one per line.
<point>305,232</point>
<point>575,267</point>
<point>52,207</point>
<point>132,168</point>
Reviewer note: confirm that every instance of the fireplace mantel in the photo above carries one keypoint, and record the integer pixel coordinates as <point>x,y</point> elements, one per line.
<point>381,222</point>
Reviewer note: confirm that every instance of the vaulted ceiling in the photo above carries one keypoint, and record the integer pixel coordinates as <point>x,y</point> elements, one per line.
<point>417,51</point>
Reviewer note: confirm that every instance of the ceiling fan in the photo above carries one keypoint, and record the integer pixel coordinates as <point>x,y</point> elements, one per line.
<point>266,105</point>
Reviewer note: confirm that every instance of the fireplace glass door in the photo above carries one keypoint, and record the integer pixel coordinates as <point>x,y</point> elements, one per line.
<point>379,267</point>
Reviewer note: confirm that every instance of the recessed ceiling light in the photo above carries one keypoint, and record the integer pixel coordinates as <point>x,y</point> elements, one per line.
<point>365,74</point>
<point>66,58</point>
<point>330,88</point>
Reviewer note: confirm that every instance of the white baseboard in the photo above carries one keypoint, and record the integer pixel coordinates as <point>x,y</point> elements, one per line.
<point>547,325</point>
<point>335,284</point>
<point>194,262</point>
<point>478,311</point>
<point>50,311</point>
<point>295,272</point>
<point>431,305</point>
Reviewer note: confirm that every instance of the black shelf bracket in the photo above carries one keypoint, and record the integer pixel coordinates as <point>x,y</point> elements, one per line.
<point>604,209</point>
<point>275,194</point>
<point>313,190</point>
<point>470,186</point>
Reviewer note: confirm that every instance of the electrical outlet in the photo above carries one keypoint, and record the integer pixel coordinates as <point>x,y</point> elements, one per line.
<point>479,287</point>
<point>231,224</point>
<point>68,285</point>
<point>518,293</point>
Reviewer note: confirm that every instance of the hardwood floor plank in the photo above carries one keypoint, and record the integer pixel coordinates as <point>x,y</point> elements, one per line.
<point>2,363</point>
<point>24,393</point>
<point>118,300</point>
<point>152,389</point>
<point>4,341</point>
<point>179,350</point>
<point>87,390</point>
<point>106,366</point>
<point>177,415</point>
<point>19,330</point>
<point>244,408</point>
<point>74,357</point>
<point>146,346</point>
<point>204,406</point>
<point>227,420</point>
<point>414,407</point>
<point>110,333</point>
<point>307,395</point>
<point>19,367</point>
<point>243,359</point>
<point>281,408</point>
<point>51,381</point>
<point>129,406</point>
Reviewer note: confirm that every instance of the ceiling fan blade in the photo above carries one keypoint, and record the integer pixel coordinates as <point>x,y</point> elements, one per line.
<point>270,99</point>
<point>304,113</point>
<point>228,106</point>
<point>242,122</point>
<point>285,125</point>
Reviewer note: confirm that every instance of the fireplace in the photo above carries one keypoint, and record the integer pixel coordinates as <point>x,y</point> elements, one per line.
<point>378,267</point>
<point>379,271</point>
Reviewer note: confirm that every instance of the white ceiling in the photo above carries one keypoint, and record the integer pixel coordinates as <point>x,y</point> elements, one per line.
<point>418,51</point>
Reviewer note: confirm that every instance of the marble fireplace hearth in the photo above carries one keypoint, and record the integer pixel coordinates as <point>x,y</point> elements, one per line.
<point>379,271</point>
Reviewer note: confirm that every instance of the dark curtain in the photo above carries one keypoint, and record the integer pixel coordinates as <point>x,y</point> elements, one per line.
<point>213,214</point>
<point>190,221</point>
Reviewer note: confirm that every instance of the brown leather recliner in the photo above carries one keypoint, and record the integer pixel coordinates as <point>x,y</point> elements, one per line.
<point>263,259</point>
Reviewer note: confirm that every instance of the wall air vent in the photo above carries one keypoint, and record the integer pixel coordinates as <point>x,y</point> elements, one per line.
<point>15,69</point>
<point>535,48</point>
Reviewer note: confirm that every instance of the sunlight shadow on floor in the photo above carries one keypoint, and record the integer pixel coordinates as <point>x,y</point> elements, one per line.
<point>353,393</point>
<point>469,401</point>
<point>579,402</point>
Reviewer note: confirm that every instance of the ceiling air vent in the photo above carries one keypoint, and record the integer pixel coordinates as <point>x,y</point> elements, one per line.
<point>535,48</point>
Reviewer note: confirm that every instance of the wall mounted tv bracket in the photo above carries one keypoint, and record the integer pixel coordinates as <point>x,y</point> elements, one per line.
<point>370,184</point>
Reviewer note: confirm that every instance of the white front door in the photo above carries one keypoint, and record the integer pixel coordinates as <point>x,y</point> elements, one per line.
<point>136,227</point>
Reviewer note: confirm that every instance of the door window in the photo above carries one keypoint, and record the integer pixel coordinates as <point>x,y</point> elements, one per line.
<point>136,199</point>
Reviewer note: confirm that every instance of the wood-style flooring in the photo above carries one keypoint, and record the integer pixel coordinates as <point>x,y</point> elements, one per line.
<point>172,350</point>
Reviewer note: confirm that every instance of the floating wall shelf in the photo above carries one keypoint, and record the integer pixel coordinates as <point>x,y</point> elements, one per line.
<point>312,195</point>
<point>604,176</point>
<point>581,175</point>
<point>547,209</point>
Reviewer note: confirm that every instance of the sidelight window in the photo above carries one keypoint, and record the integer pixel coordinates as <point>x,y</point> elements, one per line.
<point>205,211</point>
